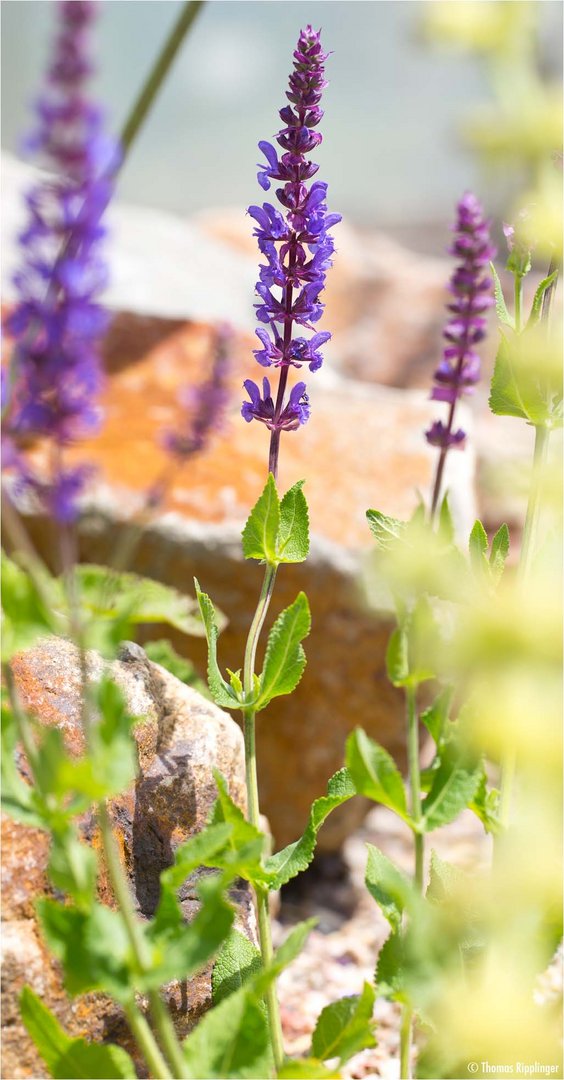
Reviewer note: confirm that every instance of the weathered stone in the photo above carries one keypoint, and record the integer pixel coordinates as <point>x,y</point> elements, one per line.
<point>180,739</point>
<point>362,447</point>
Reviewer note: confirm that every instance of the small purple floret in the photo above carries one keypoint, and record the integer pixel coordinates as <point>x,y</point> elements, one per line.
<point>471,289</point>
<point>296,244</point>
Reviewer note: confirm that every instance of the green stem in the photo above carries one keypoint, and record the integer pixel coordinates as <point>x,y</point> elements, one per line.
<point>261,896</point>
<point>158,73</point>
<point>21,720</point>
<point>146,1041</point>
<point>139,946</point>
<point>414,777</point>
<point>406,1032</point>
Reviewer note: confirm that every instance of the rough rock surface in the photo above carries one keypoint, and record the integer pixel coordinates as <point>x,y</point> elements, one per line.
<point>180,739</point>
<point>363,447</point>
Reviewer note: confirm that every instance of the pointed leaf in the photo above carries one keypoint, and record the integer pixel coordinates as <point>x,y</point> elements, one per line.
<point>220,691</point>
<point>446,524</point>
<point>500,305</point>
<point>435,718</point>
<point>542,288</point>
<point>293,535</point>
<point>231,1040</point>
<point>237,961</point>
<point>499,551</point>
<point>296,857</point>
<point>284,660</point>
<point>71,1059</point>
<point>515,389</point>
<point>261,529</point>
<point>453,788</point>
<point>388,885</point>
<point>103,592</point>
<point>444,880</point>
<point>397,661</point>
<point>374,773</point>
<point>390,967</point>
<point>386,530</point>
<point>345,1027</point>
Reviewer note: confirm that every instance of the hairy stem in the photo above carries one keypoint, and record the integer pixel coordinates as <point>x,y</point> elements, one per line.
<point>261,895</point>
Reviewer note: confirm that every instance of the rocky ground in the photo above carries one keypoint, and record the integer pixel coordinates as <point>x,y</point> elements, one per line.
<point>341,952</point>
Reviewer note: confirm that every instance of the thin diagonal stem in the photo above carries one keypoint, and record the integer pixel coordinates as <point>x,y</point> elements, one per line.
<point>414,778</point>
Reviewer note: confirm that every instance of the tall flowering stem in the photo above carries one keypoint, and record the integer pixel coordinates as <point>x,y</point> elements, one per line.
<point>471,288</point>
<point>297,246</point>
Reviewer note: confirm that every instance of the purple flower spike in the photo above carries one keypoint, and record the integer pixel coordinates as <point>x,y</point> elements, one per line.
<point>471,289</point>
<point>56,372</point>
<point>297,246</point>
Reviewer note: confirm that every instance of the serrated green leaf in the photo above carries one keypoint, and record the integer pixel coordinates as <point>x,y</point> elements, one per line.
<point>261,529</point>
<point>220,690</point>
<point>200,850</point>
<point>92,946</point>
<point>485,804</point>
<point>387,885</point>
<point>237,961</point>
<point>386,530</point>
<point>105,593</point>
<point>389,976</point>
<point>231,1040</point>
<point>67,1058</point>
<point>296,857</point>
<point>515,390</point>
<point>478,547</point>
<point>499,552</point>
<point>374,773</point>
<point>242,855</point>
<point>397,661</point>
<point>435,718</point>
<point>163,652</point>
<point>444,880</point>
<point>284,660</point>
<point>307,1069</point>
<point>179,950</point>
<point>500,305</point>
<point>292,543</point>
<point>541,289</point>
<point>345,1027</point>
<point>453,788</point>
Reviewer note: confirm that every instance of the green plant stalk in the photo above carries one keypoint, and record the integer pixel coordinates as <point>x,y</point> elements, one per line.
<point>518,297</point>
<point>146,1041</point>
<point>253,807</point>
<point>414,777</point>
<point>158,74</point>
<point>138,944</point>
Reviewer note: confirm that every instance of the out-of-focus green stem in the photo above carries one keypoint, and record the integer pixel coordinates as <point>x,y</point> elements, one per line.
<point>414,778</point>
<point>158,74</point>
<point>146,1042</point>
<point>518,294</point>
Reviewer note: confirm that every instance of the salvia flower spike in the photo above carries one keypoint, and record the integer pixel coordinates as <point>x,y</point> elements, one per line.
<point>297,246</point>
<point>57,322</point>
<point>471,288</point>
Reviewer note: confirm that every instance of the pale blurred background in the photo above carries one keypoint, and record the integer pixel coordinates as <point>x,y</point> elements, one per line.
<point>392,155</point>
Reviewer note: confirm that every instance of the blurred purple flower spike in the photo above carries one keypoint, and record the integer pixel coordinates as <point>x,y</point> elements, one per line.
<point>57,322</point>
<point>205,404</point>
<point>297,247</point>
<point>471,288</point>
